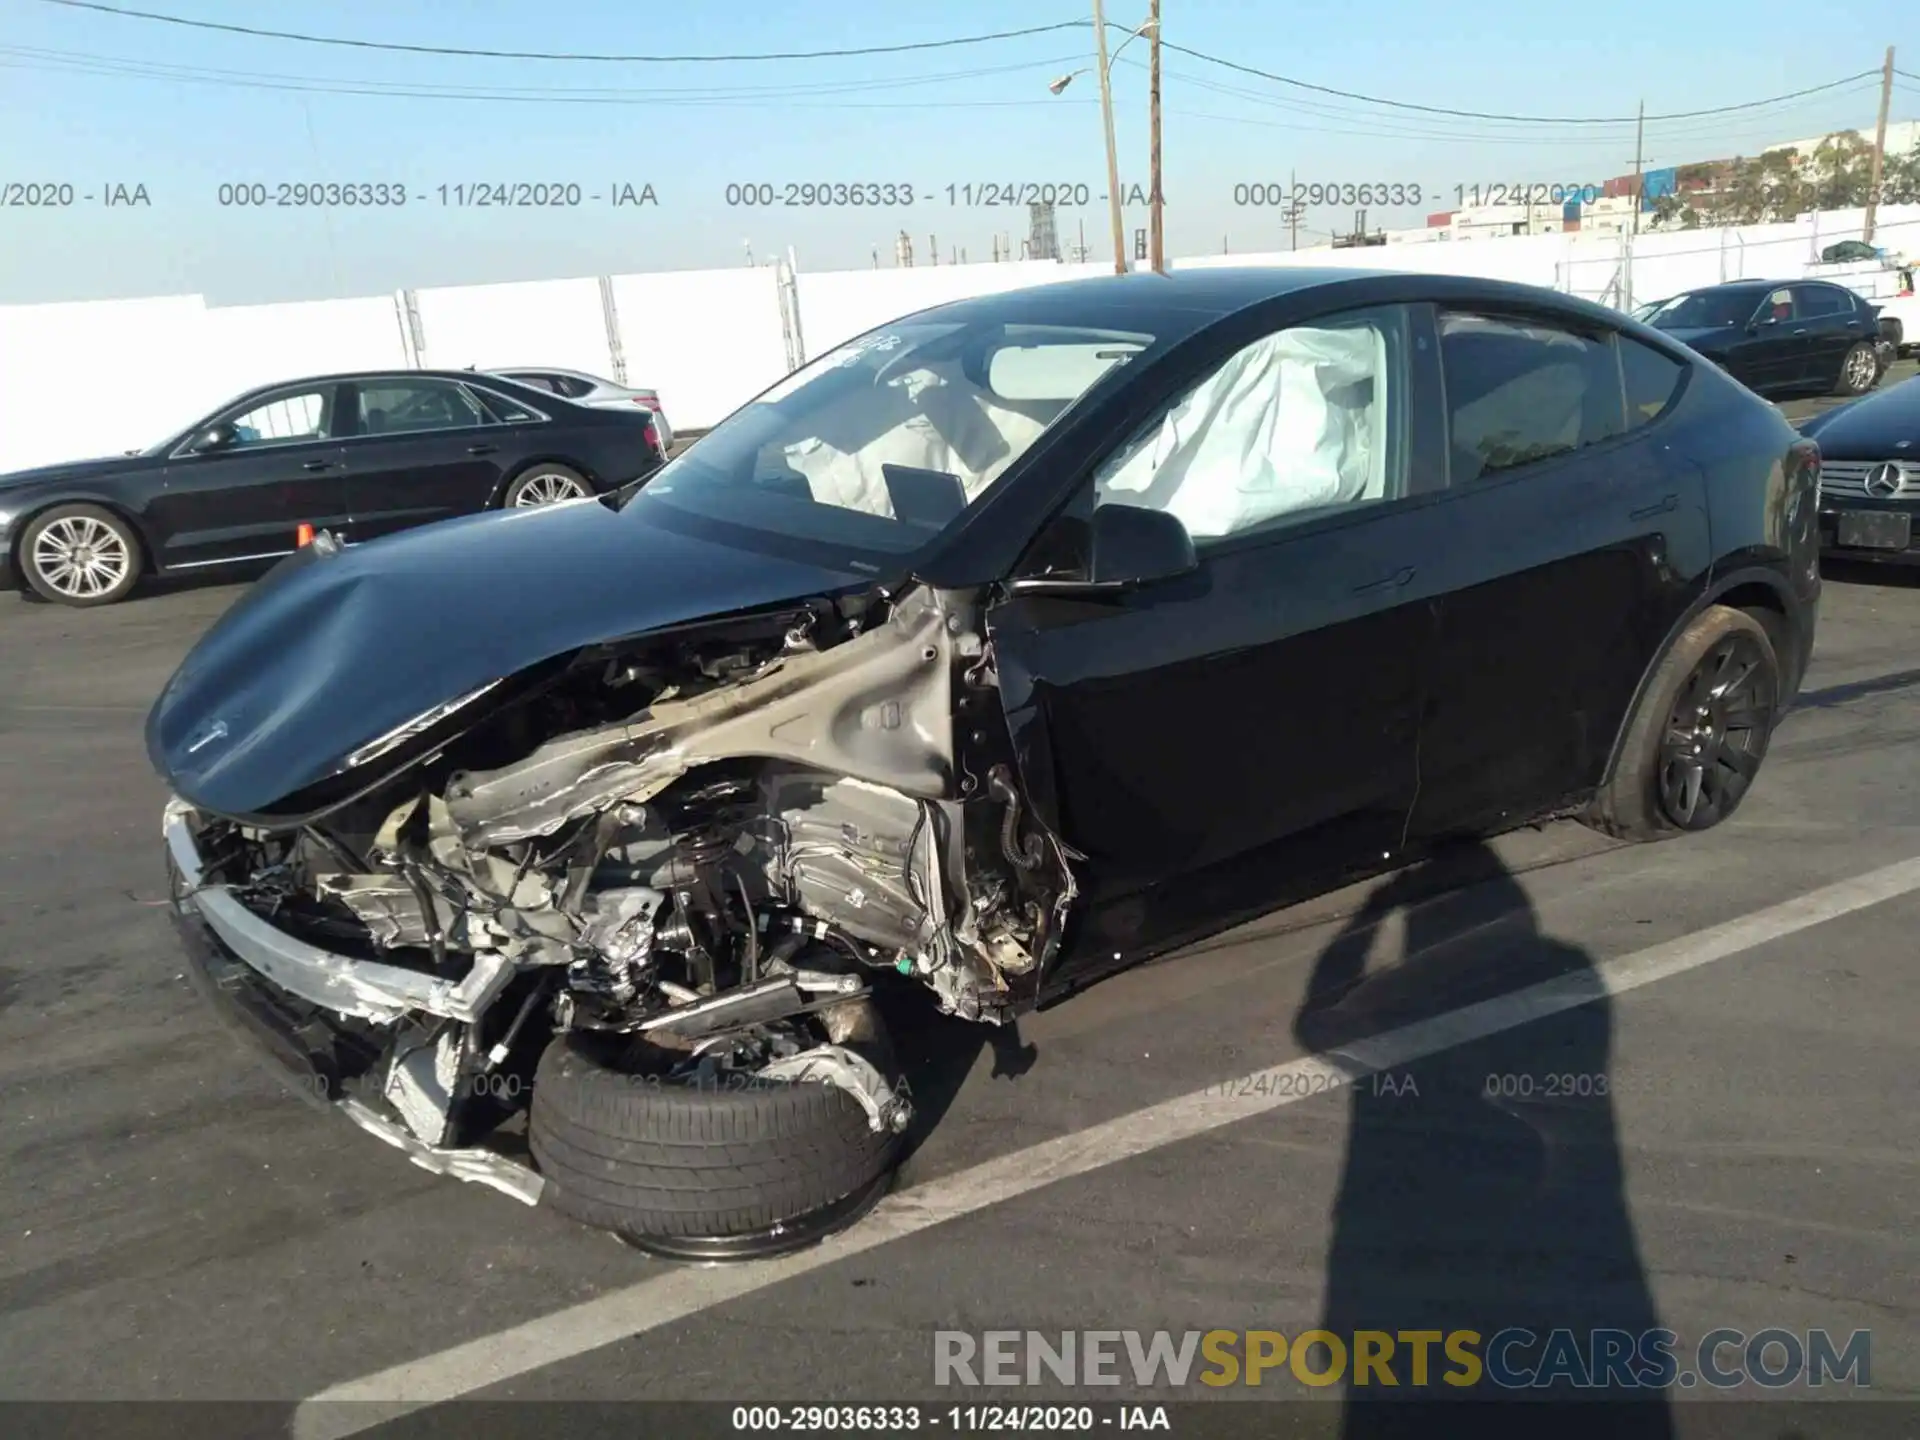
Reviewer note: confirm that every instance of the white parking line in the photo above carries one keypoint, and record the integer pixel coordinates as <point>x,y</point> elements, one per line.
<point>361,1404</point>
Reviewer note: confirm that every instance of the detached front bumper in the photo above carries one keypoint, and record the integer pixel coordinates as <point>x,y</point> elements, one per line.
<point>318,1018</point>
<point>358,989</point>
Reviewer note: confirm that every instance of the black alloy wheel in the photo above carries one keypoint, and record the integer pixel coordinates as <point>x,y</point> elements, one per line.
<point>1717,732</point>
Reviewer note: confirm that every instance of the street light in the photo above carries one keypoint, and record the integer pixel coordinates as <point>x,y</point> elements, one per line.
<point>1056,86</point>
<point>1104,68</point>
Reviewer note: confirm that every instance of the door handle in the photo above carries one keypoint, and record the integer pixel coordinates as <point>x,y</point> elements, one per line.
<point>1394,581</point>
<point>1801,331</point>
<point>482,449</point>
<point>1647,512</point>
<point>318,465</point>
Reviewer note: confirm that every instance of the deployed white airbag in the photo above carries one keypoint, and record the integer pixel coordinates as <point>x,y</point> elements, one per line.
<point>1293,422</point>
<point>944,422</point>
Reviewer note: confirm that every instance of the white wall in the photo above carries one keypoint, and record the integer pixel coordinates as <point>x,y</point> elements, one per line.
<point>707,340</point>
<point>537,322</point>
<point>837,305</point>
<point>89,379</point>
<point>93,379</point>
<point>247,345</point>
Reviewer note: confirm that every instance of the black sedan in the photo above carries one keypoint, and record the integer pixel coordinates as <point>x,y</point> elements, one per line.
<point>1013,642</point>
<point>358,455</point>
<point>1781,336</point>
<point>1870,476</point>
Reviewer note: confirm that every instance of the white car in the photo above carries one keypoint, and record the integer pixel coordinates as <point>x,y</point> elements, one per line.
<point>585,389</point>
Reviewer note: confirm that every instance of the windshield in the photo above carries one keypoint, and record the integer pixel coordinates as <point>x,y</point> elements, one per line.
<point>884,443</point>
<point>1706,308</point>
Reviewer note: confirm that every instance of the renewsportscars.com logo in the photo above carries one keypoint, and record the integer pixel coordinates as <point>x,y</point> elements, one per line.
<point>1511,1359</point>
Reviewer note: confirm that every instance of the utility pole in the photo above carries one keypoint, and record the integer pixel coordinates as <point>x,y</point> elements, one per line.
<point>1879,147</point>
<point>1639,155</point>
<point>1159,242</point>
<point>1113,156</point>
<point>1639,137</point>
<point>1295,211</point>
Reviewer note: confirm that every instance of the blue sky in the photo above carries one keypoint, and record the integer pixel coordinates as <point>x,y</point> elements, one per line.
<point>71,113</point>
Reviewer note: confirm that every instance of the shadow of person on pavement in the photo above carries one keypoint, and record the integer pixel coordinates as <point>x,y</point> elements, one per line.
<point>1483,1186</point>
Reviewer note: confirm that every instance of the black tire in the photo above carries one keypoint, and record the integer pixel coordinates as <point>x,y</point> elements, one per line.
<point>1639,801</point>
<point>673,1168</point>
<point>113,544</point>
<point>1856,378</point>
<point>539,475</point>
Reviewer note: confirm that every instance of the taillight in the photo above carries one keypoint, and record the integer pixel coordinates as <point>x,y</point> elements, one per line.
<point>1803,465</point>
<point>648,402</point>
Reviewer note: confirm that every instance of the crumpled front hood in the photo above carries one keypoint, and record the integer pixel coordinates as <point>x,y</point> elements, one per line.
<point>328,652</point>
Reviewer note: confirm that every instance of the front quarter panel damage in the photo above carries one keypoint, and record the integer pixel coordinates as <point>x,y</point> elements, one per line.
<point>876,708</point>
<point>709,847</point>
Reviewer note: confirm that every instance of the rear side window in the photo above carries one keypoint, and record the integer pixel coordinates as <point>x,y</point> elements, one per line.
<point>399,407</point>
<point>539,382</point>
<point>1813,300</point>
<point>1520,390</point>
<point>1652,381</point>
<point>572,386</point>
<point>504,409</point>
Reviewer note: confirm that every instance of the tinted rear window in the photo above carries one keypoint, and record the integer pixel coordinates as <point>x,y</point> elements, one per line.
<point>1523,390</point>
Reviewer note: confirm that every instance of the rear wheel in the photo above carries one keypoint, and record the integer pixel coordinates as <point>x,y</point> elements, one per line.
<point>1699,733</point>
<point>545,485</point>
<point>1859,369</point>
<point>80,555</point>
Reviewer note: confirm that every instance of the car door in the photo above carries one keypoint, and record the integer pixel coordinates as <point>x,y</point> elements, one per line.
<point>1833,325</point>
<point>281,465</point>
<point>1211,739</point>
<point>1774,354</point>
<point>1573,534</point>
<point>419,449</point>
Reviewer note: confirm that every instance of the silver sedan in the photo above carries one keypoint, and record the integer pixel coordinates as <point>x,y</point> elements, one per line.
<point>585,389</point>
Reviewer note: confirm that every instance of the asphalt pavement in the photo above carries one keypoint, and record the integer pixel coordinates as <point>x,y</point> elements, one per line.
<point>1723,1135</point>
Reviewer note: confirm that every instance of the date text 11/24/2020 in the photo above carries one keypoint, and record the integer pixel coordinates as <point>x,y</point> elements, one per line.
<point>1279,194</point>
<point>893,195</point>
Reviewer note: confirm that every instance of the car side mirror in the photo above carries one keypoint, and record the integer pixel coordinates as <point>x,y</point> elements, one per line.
<point>1130,547</point>
<point>214,437</point>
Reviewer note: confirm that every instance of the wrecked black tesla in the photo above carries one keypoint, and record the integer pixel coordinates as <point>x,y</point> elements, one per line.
<point>1004,646</point>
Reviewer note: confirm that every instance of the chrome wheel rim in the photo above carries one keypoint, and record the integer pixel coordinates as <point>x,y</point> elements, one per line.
<point>548,488</point>
<point>1860,367</point>
<point>81,558</point>
<point>1717,733</point>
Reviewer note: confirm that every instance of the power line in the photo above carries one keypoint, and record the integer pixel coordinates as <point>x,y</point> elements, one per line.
<point>76,61</point>
<point>639,99</point>
<point>390,45</point>
<point>796,96</point>
<point>257,32</point>
<point>1514,119</point>
<point>1376,125</point>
